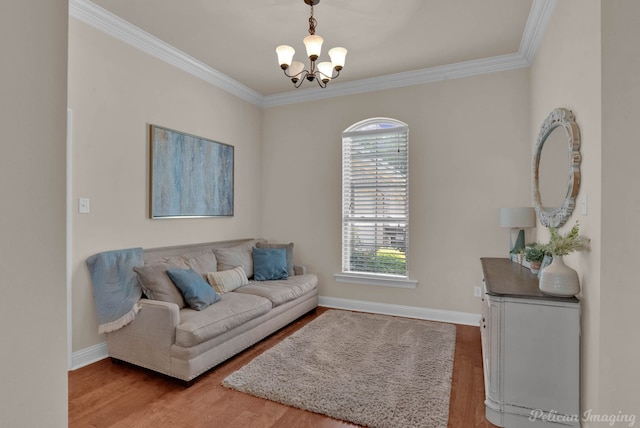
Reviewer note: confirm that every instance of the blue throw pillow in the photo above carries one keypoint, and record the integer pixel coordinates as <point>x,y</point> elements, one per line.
<point>195,290</point>
<point>269,264</point>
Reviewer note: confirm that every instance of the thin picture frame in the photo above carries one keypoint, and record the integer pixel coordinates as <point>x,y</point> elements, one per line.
<point>190,176</point>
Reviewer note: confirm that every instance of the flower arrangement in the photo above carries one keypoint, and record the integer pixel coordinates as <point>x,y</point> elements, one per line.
<point>561,245</point>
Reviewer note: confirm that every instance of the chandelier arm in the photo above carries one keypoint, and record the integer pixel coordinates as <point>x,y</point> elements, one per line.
<point>299,82</point>
<point>335,73</point>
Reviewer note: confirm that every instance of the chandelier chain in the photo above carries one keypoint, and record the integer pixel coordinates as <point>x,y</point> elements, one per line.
<point>312,23</point>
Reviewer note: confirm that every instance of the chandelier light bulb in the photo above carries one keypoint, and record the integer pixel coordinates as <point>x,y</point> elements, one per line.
<point>285,55</point>
<point>338,56</point>
<point>313,43</point>
<point>295,69</point>
<point>326,70</point>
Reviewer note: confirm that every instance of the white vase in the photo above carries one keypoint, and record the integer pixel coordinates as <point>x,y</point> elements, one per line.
<point>559,279</point>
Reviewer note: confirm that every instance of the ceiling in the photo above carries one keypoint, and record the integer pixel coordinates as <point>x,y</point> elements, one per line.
<point>238,38</point>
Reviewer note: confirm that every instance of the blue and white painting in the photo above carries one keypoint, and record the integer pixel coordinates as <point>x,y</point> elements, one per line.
<point>190,176</point>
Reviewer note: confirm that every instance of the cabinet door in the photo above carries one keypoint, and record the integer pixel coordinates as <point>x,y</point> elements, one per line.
<point>542,356</point>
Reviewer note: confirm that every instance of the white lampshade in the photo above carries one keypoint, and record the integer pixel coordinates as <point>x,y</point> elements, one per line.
<point>521,217</point>
<point>338,56</point>
<point>295,68</point>
<point>326,69</point>
<point>285,55</point>
<point>313,43</point>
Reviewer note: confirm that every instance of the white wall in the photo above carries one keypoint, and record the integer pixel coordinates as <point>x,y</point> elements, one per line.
<point>588,62</point>
<point>469,155</point>
<point>566,73</point>
<point>115,92</point>
<point>619,292</point>
<point>33,94</point>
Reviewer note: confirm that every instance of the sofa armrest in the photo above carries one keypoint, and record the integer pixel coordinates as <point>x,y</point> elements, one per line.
<point>169,312</point>
<point>300,270</point>
<point>148,339</point>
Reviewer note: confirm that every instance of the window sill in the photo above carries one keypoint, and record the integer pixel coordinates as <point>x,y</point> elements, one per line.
<point>379,280</point>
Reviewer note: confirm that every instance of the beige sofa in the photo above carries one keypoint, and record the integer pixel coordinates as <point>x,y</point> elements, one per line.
<point>170,338</point>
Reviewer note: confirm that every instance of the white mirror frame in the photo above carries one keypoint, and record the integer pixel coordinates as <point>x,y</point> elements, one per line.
<point>557,217</point>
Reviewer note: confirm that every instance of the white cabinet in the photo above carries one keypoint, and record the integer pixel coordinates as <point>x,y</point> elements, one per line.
<point>530,349</point>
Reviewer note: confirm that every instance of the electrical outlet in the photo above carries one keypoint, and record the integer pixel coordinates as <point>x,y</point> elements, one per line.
<point>477,291</point>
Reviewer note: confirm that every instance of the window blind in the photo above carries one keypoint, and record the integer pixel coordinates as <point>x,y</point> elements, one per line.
<point>375,200</point>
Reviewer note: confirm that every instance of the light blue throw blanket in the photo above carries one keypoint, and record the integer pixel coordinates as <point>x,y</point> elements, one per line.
<point>115,287</point>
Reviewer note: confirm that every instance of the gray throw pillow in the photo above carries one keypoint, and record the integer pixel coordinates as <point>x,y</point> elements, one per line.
<point>157,285</point>
<point>239,255</point>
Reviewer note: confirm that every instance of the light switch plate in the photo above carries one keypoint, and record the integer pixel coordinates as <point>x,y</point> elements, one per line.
<point>585,204</point>
<point>83,205</point>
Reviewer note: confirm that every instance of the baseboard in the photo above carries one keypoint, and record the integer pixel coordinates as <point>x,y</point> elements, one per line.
<point>98,352</point>
<point>453,317</point>
<point>89,355</point>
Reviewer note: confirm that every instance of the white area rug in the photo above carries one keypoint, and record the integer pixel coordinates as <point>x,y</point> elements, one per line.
<point>372,370</point>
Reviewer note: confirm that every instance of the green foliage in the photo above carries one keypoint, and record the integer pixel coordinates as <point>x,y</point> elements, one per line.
<point>561,245</point>
<point>384,260</point>
<point>534,252</point>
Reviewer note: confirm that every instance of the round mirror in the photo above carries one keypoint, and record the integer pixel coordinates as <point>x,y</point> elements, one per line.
<point>556,168</point>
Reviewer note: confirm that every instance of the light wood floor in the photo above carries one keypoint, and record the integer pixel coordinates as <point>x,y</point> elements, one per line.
<point>104,394</point>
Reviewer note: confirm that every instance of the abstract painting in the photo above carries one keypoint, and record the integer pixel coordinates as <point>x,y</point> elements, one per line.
<point>190,176</point>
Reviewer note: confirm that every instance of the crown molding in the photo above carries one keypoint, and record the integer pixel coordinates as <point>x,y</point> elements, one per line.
<point>539,17</point>
<point>105,21</point>
<point>398,80</point>
<point>118,28</point>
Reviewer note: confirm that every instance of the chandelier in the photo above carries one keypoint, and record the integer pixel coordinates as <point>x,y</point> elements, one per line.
<point>322,72</point>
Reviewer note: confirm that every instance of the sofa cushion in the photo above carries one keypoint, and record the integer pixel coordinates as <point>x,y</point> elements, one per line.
<point>202,262</point>
<point>231,311</point>
<point>269,264</point>
<point>239,255</point>
<point>157,285</point>
<point>227,280</point>
<point>288,247</point>
<point>195,290</point>
<point>281,291</point>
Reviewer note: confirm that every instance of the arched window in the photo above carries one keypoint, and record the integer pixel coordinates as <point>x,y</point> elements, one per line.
<point>375,200</point>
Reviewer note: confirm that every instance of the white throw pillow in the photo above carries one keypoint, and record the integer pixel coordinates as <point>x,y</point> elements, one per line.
<point>227,280</point>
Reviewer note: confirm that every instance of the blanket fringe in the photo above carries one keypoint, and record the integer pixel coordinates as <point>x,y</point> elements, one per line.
<point>121,322</point>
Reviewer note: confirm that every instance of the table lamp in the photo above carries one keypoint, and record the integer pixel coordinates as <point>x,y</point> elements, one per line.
<point>517,219</point>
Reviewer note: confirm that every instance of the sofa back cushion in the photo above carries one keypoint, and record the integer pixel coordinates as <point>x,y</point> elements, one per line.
<point>239,255</point>
<point>201,262</point>
<point>157,285</point>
